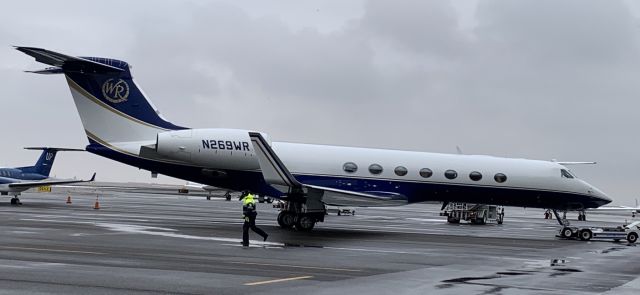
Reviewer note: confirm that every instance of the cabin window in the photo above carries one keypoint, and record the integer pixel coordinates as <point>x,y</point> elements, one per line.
<point>566,174</point>
<point>450,174</point>
<point>500,178</point>
<point>426,172</point>
<point>350,167</point>
<point>475,176</point>
<point>375,169</point>
<point>401,171</point>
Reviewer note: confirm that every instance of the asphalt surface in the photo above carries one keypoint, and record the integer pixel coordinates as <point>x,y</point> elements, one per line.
<point>147,243</point>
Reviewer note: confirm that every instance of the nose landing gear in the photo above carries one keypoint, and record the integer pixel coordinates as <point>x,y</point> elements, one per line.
<point>582,216</point>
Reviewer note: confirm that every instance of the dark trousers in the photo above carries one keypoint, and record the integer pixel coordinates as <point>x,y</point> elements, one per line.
<point>251,224</point>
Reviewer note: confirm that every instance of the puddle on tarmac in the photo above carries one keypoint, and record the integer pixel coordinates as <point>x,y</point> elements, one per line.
<point>289,245</point>
<point>471,280</point>
<point>556,267</point>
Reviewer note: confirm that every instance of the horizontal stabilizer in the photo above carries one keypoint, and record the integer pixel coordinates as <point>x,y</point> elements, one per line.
<point>39,148</point>
<point>48,71</point>
<point>66,62</point>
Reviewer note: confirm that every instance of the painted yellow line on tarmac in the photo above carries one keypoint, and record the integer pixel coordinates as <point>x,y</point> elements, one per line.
<point>295,266</point>
<point>51,250</point>
<point>277,281</point>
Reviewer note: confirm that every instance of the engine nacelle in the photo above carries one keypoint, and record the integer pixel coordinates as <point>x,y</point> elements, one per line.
<point>209,148</point>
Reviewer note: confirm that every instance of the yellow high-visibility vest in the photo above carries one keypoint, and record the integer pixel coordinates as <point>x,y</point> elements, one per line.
<point>248,200</point>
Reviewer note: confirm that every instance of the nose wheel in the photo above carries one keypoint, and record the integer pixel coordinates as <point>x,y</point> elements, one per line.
<point>582,216</point>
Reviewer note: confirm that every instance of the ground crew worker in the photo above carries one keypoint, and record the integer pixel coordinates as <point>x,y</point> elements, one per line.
<point>249,213</point>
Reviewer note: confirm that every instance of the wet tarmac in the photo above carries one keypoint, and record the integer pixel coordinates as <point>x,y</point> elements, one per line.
<point>147,243</point>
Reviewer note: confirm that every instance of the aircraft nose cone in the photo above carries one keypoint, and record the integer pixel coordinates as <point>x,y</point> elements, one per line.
<point>602,198</point>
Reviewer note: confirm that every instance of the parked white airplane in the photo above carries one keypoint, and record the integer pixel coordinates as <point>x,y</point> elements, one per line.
<point>634,210</point>
<point>122,124</point>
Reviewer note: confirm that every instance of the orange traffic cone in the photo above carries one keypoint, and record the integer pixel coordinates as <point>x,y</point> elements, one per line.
<point>69,199</point>
<point>97,204</point>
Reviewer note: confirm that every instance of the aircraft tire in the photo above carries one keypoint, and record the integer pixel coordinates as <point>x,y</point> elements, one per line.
<point>452,220</point>
<point>632,238</point>
<point>586,234</point>
<point>567,233</point>
<point>305,223</point>
<point>286,219</point>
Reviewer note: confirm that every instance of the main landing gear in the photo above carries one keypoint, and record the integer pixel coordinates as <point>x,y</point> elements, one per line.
<point>15,201</point>
<point>301,216</point>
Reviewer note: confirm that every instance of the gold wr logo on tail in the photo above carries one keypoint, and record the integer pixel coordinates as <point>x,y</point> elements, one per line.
<point>115,91</point>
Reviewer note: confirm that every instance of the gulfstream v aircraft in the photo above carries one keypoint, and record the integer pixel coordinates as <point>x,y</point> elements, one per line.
<point>13,181</point>
<point>123,125</point>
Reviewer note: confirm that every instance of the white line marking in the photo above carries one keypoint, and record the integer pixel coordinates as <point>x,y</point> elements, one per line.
<point>278,281</point>
<point>51,250</point>
<point>295,266</point>
<point>168,232</point>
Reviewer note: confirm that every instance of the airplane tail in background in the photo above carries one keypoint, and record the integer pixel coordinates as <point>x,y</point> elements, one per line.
<point>111,105</point>
<point>45,162</point>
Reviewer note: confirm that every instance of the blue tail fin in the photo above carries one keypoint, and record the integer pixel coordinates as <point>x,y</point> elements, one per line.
<point>44,164</point>
<point>111,105</point>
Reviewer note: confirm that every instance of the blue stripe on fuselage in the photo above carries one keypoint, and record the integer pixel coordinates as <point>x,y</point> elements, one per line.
<point>414,191</point>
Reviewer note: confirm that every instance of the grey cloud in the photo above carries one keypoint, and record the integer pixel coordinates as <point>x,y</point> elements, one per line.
<point>571,31</point>
<point>425,27</point>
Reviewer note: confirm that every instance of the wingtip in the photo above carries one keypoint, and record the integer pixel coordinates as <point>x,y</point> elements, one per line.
<point>93,177</point>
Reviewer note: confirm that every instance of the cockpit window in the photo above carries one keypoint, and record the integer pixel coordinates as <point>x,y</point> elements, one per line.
<point>566,174</point>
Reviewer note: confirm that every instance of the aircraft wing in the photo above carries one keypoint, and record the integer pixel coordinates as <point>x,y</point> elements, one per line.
<point>28,184</point>
<point>577,163</point>
<point>276,174</point>
<point>616,208</point>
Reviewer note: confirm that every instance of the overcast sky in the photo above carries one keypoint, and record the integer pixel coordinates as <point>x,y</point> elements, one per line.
<point>539,79</point>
